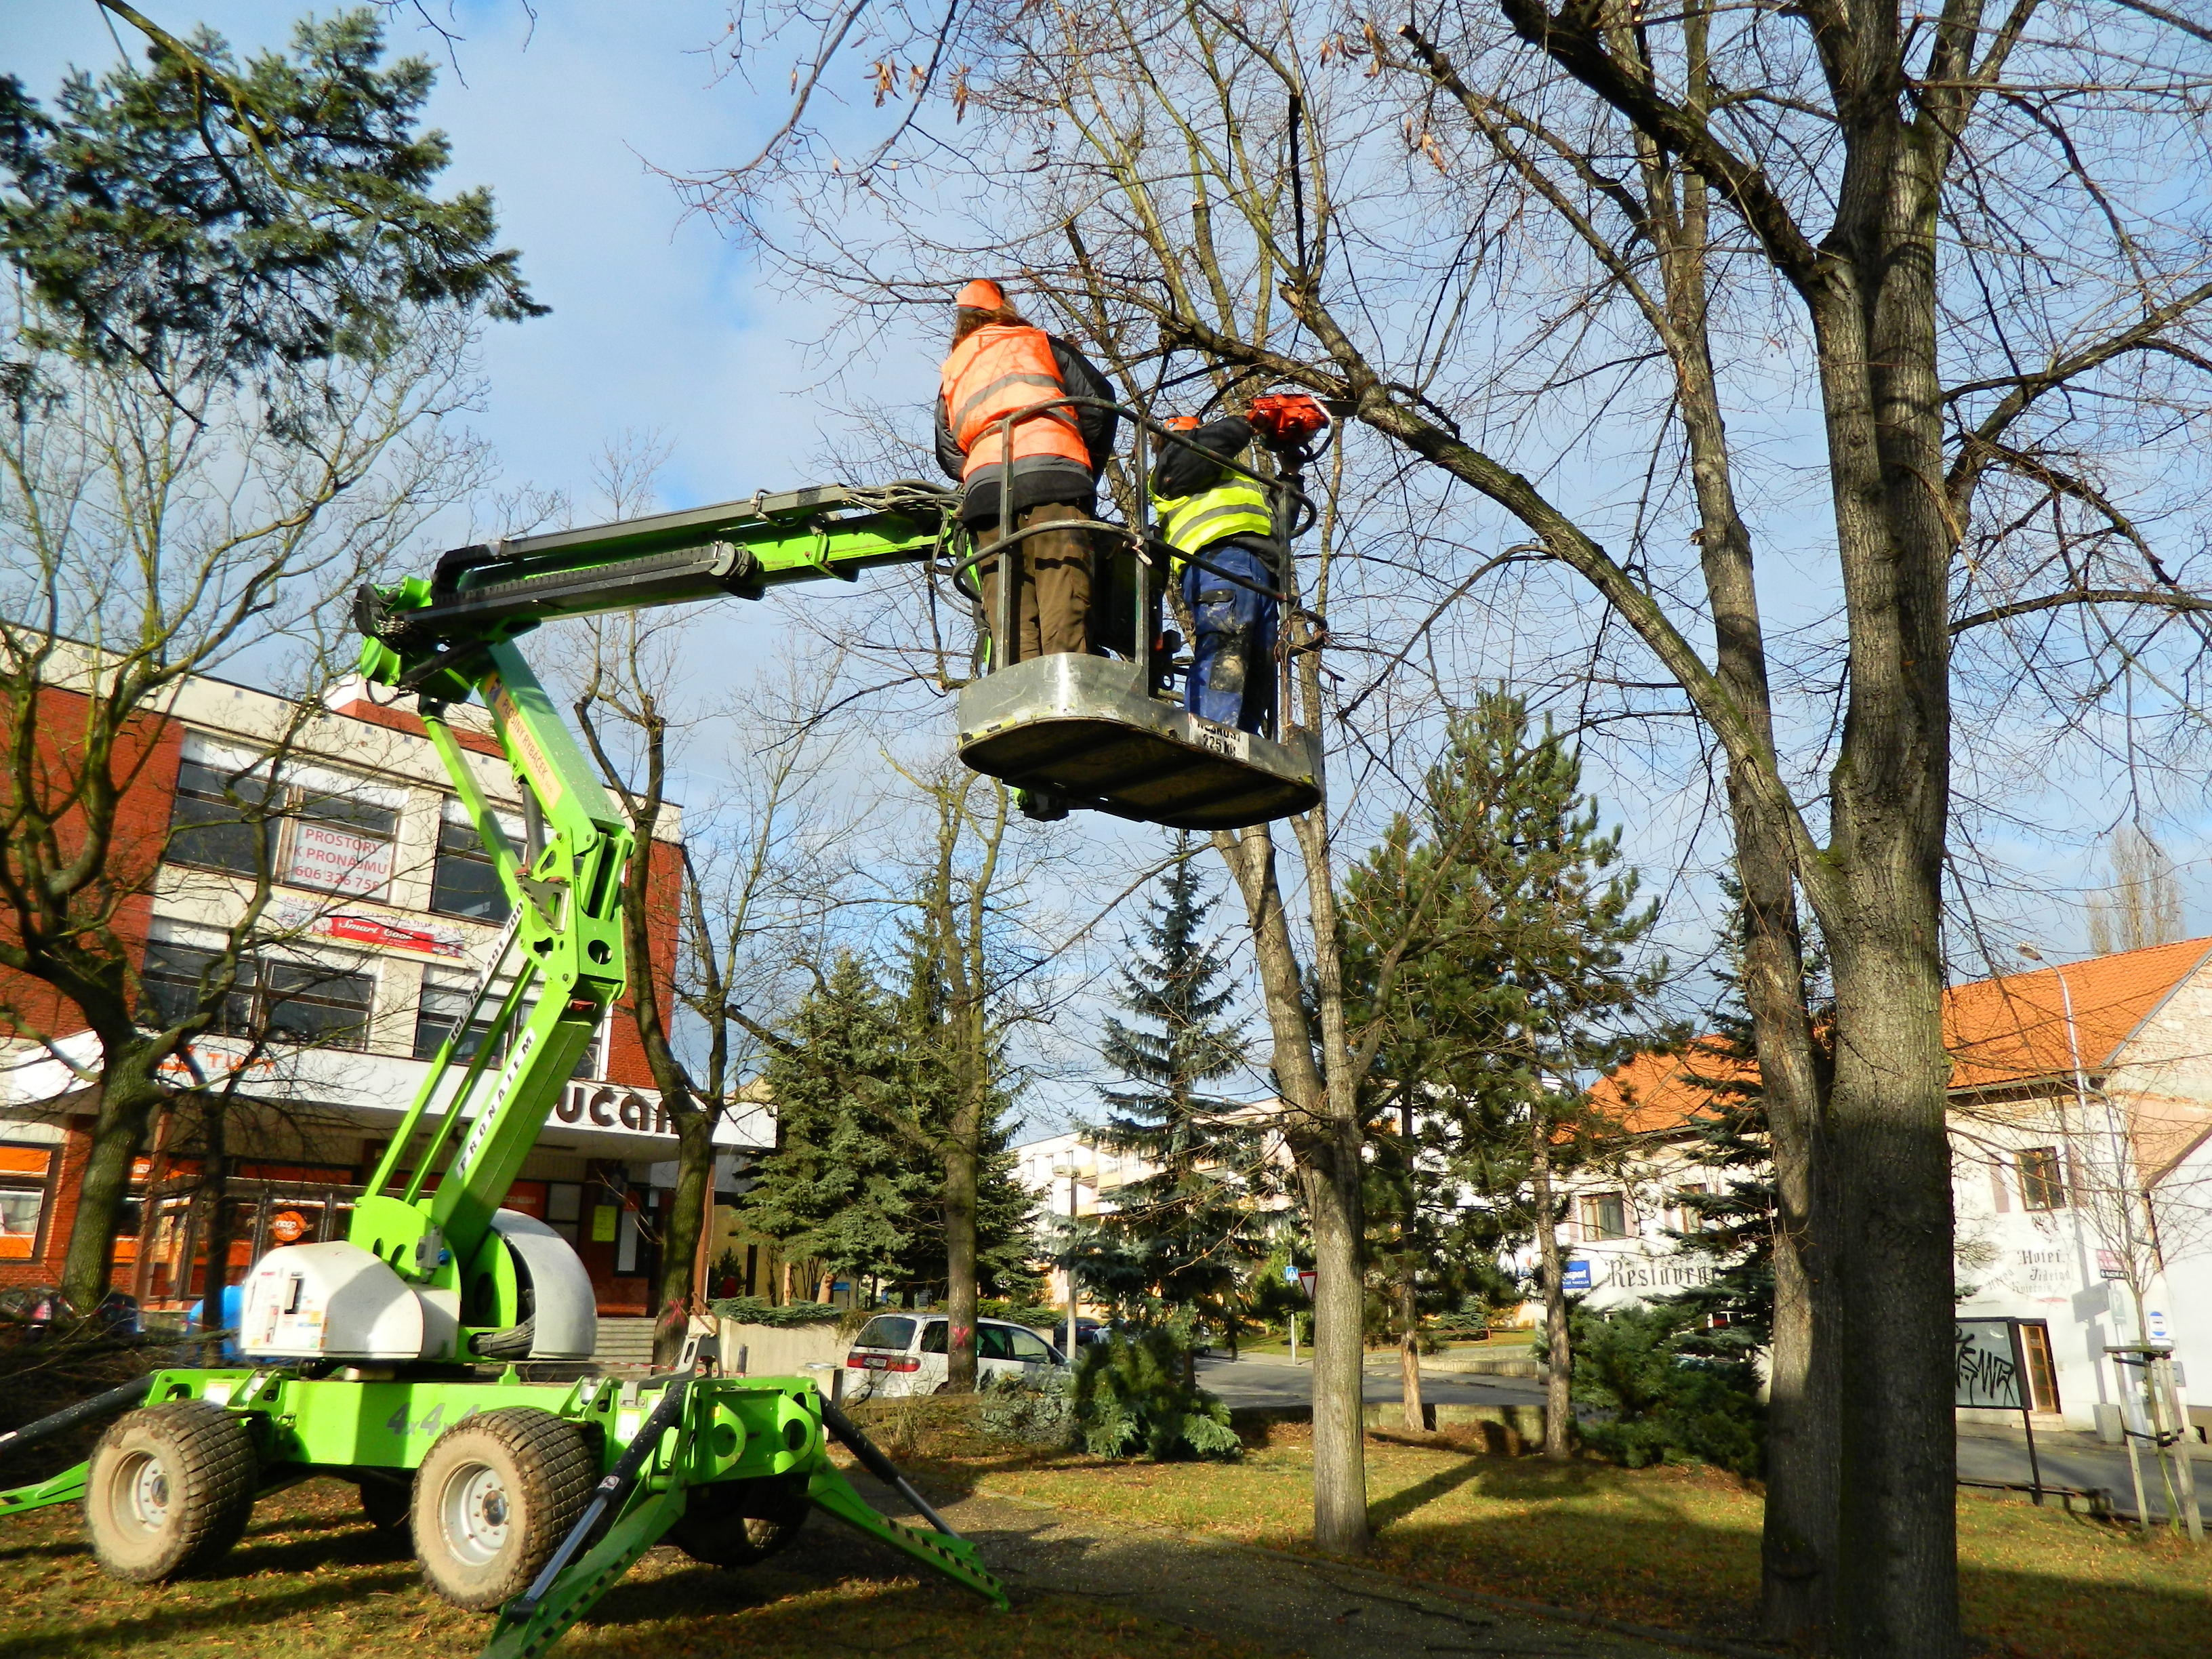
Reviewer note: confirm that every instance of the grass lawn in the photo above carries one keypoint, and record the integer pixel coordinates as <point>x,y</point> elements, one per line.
<point>312,1581</point>
<point>1673,1548</point>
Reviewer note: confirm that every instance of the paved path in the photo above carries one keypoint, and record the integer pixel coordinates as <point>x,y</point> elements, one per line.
<point>1271,1600</point>
<point>1986,1453</point>
<point>1276,1382</point>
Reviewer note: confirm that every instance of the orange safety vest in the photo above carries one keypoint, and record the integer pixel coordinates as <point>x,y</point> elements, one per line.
<point>994,371</point>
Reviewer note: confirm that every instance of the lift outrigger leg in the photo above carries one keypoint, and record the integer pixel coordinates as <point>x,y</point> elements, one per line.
<point>629,1514</point>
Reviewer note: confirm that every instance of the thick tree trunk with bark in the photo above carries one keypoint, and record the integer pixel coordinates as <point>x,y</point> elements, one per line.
<point>1879,900</point>
<point>1559,1349</point>
<point>1804,1363</point>
<point>215,1207</point>
<point>680,1232</point>
<point>1329,1166</point>
<point>1409,1355</point>
<point>960,1172</point>
<point>127,1098</point>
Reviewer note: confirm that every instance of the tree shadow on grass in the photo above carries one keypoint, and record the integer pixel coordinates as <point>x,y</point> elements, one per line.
<point>173,1617</point>
<point>1395,1508</point>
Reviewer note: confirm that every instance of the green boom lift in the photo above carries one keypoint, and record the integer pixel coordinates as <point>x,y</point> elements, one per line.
<point>392,1359</point>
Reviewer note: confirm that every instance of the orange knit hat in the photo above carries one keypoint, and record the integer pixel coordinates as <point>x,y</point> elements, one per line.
<point>982,295</point>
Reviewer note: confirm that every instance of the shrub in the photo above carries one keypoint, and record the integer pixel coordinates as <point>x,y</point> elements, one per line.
<point>1014,1409</point>
<point>1133,1394</point>
<point>752,1310</point>
<point>1660,1403</point>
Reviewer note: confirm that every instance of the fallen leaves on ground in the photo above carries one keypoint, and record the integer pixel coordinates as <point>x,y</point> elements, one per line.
<point>312,1580</point>
<point>1672,1546</point>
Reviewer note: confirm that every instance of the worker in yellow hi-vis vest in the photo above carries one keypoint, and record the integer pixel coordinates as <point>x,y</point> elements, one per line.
<point>1204,508</point>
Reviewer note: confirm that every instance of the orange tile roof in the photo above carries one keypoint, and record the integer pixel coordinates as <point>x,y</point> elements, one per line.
<point>2014,1029</point>
<point>1999,1031</point>
<point>1657,1093</point>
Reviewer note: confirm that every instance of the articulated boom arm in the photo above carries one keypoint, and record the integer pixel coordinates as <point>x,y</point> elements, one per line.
<point>450,637</point>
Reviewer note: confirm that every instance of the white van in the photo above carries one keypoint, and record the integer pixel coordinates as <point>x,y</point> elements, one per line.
<point>897,1354</point>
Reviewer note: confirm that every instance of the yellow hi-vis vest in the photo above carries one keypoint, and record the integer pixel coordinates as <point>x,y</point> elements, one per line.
<point>1236,507</point>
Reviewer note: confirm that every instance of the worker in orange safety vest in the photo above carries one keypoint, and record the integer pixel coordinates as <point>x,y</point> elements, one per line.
<point>1042,469</point>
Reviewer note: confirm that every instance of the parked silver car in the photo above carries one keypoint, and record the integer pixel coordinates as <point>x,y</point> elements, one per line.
<point>897,1354</point>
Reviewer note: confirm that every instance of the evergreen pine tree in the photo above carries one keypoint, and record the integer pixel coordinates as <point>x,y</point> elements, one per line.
<point>839,1188</point>
<point>847,1185</point>
<point>1489,966</point>
<point>943,1054</point>
<point>1183,1239</point>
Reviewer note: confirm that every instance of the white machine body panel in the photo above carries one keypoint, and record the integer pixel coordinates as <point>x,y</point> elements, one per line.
<point>330,1301</point>
<point>567,1309</point>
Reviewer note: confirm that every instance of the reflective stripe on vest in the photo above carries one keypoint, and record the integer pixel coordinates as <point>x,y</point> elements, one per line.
<point>994,372</point>
<point>1191,523</point>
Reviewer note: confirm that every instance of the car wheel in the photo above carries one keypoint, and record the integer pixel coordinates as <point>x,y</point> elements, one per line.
<point>494,1499</point>
<point>168,1489</point>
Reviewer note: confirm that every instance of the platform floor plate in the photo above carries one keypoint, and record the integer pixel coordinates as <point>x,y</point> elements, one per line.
<point>1081,726</point>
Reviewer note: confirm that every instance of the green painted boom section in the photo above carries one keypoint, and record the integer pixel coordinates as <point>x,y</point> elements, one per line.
<point>448,638</point>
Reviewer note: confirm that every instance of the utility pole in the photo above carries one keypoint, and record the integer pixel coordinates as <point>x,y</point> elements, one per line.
<point>1071,1169</point>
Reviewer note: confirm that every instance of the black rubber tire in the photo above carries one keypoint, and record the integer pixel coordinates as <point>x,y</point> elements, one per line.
<point>168,1490</point>
<point>494,1499</point>
<point>388,1503</point>
<point>737,1523</point>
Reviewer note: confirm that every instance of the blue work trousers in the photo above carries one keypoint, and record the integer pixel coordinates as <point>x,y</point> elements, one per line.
<point>1232,668</point>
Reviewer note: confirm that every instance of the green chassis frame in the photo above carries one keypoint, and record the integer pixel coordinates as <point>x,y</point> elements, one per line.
<point>731,1429</point>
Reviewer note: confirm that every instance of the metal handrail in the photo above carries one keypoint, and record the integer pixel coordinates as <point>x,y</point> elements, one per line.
<point>1005,551</point>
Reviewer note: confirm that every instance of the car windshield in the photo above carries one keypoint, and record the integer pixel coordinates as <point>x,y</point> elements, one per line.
<point>885,1331</point>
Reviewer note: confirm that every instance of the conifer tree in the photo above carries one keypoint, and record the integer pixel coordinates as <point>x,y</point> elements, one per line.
<point>839,1189</point>
<point>849,1184</point>
<point>1512,981</point>
<point>1184,1237</point>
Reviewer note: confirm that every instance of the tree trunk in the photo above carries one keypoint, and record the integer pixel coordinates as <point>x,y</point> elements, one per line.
<point>1329,1170</point>
<point>1797,1550</point>
<point>681,1232</point>
<point>960,1266</point>
<point>1878,891</point>
<point>1559,1370</point>
<point>215,1200</point>
<point>1409,1354</point>
<point>128,1097</point>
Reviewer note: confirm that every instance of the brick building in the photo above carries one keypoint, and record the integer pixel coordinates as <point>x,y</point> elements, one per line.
<point>386,912</point>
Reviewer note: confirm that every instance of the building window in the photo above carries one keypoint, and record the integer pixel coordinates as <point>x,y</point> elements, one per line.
<point>220,818</point>
<point>324,1004</point>
<point>340,843</point>
<point>327,831</point>
<point>445,1004</point>
<point>2042,1179</point>
<point>26,1179</point>
<point>464,881</point>
<point>1604,1215</point>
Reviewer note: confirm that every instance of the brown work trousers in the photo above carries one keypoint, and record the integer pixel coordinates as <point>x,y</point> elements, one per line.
<point>1054,601</point>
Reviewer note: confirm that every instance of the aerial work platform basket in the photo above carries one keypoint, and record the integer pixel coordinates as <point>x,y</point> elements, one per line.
<point>1087,729</point>
<point>1107,731</point>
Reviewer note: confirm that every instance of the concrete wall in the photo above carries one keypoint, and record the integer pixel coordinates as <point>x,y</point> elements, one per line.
<point>782,1350</point>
